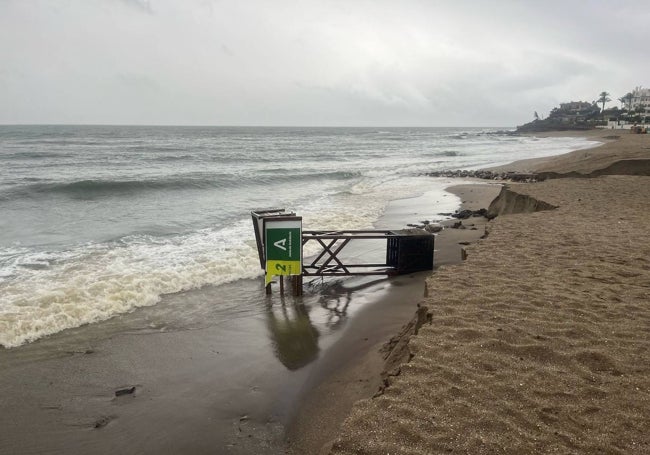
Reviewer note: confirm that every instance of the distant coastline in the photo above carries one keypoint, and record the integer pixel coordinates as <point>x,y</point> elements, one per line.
<point>583,115</point>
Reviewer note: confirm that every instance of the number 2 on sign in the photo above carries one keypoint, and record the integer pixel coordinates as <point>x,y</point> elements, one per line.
<point>281,267</point>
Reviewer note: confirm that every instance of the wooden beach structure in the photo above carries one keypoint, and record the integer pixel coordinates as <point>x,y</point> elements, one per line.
<point>404,251</point>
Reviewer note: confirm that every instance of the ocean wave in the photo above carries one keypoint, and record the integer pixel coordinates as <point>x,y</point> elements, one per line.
<point>96,188</point>
<point>164,158</point>
<point>91,188</point>
<point>60,142</point>
<point>101,281</point>
<point>34,155</point>
<point>279,175</point>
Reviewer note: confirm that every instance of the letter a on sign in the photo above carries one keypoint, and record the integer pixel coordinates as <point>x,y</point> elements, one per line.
<point>283,247</point>
<point>280,244</point>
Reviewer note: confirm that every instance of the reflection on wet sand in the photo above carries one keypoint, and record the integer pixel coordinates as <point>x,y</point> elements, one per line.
<point>295,340</point>
<point>293,335</point>
<point>337,296</point>
<point>336,300</point>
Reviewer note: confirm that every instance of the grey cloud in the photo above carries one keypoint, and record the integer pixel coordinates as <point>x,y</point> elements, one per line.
<point>141,5</point>
<point>313,62</point>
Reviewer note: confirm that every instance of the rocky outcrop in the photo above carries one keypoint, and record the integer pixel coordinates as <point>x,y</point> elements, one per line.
<point>485,175</point>
<point>546,125</point>
<point>510,202</point>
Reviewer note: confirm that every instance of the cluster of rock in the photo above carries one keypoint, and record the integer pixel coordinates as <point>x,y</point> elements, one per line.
<point>464,214</point>
<point>458,214</point>
<point>487,175</point>
<point>427,226</point>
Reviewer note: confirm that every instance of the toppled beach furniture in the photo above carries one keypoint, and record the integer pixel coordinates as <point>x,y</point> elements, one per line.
<point>410,250</point>
<point>340,253</point>
<point>407,251</point>
<point>278,235</point>
<point>259,219</point>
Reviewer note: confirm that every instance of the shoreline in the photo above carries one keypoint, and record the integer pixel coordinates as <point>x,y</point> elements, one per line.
<point>224,373</point>
<point>318,418</point>
<point>185,377</point>
<point>515,358</point>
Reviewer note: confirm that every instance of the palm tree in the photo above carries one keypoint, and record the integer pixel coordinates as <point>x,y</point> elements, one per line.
<point>604,98</point>
<point>626,100</point>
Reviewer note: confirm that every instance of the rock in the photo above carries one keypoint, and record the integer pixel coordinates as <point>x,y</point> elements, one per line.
<point>433,228</point>
<point>126,391</point>
<point>102,422</point>
<point>463,214</point>
<point>485,175</point>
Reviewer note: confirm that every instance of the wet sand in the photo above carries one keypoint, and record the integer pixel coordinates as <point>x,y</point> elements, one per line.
<point>354,366</point>
<point>538,342</point>
<point>227,374</point>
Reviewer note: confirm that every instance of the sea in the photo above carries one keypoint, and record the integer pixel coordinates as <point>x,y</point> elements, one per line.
<point>100,221</point>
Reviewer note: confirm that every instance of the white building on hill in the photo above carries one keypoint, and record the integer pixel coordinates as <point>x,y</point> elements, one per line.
<point>640,97</point>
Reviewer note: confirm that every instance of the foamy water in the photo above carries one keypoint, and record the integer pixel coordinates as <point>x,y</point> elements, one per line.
<point>98,221</point>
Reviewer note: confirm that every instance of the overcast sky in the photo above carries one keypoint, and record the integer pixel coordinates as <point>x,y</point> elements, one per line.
<point>329,63</point>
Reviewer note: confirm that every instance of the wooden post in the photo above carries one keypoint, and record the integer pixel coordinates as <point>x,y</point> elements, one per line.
<point>296,284</point>
<point>281,284</point>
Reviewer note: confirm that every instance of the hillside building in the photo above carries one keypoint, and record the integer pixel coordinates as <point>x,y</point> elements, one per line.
<point>575,107</point>
<point>640,97</point>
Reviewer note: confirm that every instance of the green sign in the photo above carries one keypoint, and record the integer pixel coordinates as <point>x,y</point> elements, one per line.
<point>283,247</point>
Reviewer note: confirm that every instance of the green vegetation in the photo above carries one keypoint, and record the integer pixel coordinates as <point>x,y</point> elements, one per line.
<point>626,100</point>
<point>604,98</point>
<point>575,115</point>
<point>582,115</point>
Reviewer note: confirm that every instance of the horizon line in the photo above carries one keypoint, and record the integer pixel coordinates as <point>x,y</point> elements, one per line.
<point>251,125</point>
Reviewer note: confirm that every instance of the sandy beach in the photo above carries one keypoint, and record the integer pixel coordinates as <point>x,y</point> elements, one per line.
<point>534,344</point>
<point>538,342</point>
<point>617,145</point>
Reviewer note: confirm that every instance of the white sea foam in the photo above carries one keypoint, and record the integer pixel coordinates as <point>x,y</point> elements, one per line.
<point>111,279</point>
<point>61,267</point>
<point>50,292</point>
